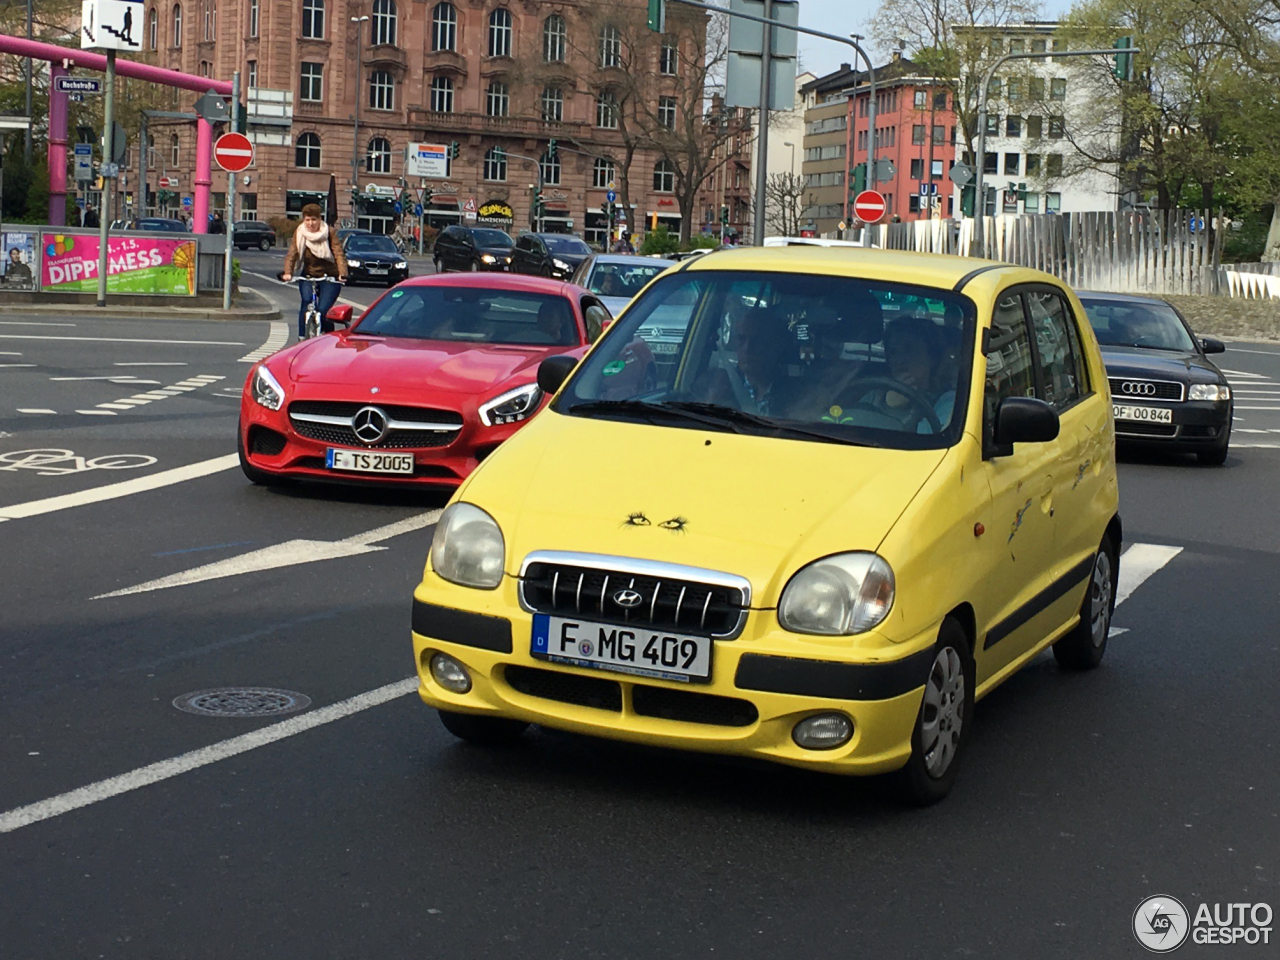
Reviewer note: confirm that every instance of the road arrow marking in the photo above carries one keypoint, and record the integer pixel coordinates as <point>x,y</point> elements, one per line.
<point>291,553</point>
<point>1138,563</point>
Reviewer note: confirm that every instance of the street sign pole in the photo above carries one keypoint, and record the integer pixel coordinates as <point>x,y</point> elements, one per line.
<point>231,196</point>
<point>108,131</point>
<point>762,154</point>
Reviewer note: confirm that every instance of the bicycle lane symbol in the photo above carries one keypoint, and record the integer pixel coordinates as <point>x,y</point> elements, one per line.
<point>51,462</point>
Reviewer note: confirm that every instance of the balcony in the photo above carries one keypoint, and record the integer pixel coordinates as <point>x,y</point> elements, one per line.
<point>386,55</point>
<point>498,126</point>
<point>309,108</point>
<point>496,66</point>
<point>449,61</point>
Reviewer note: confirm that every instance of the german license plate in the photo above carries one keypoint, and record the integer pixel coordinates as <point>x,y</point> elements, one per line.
<point>635,649</point>
<point>379,269</point>
<point>362,461</point>
<point>1128,411</point>
<point>665,347</point>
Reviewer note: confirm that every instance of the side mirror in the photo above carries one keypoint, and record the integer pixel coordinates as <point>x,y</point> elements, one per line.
<point>554,371</point>
<point>1212,345</point>
<point>1024,420</point>
<point>339,313</point>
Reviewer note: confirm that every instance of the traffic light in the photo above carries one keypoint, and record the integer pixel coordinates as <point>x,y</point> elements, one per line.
<point>454,150</point>
<point>967,195</point>
<point>857,180</point>
<point>551,149</point>
<point>657,18</point>
<point>724,213</point>
<point>427,196</point>
<point>1123,70</point>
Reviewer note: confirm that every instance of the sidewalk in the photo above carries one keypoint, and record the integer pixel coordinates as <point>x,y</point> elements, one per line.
<point>248,305</point>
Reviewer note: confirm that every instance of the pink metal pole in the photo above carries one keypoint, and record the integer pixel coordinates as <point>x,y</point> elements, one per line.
<point>204,159</point>
<point>57,149</point>
<point>95,61</point>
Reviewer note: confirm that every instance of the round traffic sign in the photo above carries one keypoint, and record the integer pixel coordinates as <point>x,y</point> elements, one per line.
<point>611,196</point>
<point>186,201</point>
<point>869,205</point>
<point>233,152</point>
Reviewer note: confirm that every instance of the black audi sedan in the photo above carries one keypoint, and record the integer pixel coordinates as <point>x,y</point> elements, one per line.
<point>1165,390</point>
<point>372,258</point>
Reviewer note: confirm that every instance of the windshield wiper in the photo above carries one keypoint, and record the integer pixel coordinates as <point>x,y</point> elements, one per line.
<point>731,415</point>
<point>653,412</point>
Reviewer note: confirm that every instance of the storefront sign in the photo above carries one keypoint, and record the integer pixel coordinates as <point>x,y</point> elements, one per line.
<point>140,265</point>
<point>496,211</point>
<point>666,202</point>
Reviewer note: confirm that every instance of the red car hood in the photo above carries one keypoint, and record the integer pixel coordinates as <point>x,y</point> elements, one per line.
<point>391,362</point>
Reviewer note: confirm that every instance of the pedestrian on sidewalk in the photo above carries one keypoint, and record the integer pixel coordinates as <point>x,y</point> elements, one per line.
<point>315,252</point>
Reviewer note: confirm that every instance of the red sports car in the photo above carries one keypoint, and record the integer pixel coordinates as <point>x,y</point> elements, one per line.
<point>422,387</point>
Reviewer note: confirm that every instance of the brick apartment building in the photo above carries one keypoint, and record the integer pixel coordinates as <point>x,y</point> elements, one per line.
<point>497,77</point>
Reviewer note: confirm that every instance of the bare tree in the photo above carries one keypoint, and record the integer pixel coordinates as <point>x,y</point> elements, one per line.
<point>785,202</point>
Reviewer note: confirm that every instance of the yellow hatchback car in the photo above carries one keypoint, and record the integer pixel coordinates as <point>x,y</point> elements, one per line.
<point>851,493</point>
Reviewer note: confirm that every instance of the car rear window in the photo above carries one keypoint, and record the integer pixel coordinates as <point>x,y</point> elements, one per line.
<point>474,315</point>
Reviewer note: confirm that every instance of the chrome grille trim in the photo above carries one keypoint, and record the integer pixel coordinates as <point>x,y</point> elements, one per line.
<point>1176,395</point>
<point>418,425</point>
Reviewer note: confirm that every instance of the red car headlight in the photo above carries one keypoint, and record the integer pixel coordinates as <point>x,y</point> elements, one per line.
<point>512,406</point>
<point>266,390</point>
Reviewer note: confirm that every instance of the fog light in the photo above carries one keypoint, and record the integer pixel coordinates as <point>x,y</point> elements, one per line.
<point>826,731</point>
<point>450,674</point>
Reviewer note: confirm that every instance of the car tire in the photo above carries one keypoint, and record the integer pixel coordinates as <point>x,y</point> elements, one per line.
<point>1216,455</point>
<point>264,244</point>
<point>546,272</point>
<point>438,265</point>
<point>252,473</point>
<point>1084,647</point>
<point>475,267</point>
<point>943,725</point>
<point>483,731</point>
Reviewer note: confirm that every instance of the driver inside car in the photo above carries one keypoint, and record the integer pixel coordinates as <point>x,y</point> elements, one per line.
<point>914,350</point>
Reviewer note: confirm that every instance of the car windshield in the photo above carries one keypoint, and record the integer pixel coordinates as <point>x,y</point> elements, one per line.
<point>570,245</point>
<point>622,279</point>
<point>371,244</point>
<point>833,359</point>
<point>472,314</point>
<point>1137,323</point>
<point>492,238</point>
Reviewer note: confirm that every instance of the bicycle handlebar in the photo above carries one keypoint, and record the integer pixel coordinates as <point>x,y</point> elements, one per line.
<point>297,278</point>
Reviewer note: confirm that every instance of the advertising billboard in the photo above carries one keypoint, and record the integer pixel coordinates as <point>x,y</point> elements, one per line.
<point>137,265</point>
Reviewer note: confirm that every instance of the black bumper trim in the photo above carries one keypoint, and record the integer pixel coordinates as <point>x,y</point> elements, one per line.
<point>1039,603</point>
<point>831,679</point>
<point>459,626</point>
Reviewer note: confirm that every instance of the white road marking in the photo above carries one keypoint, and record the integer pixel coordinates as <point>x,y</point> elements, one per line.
<point>17,364</point>
<point>96,413</point>
<point>124,488</point>
<point>165,769</point>
<point>1255,446</point>
<point>1265,353</point>
<point>148,363</point>
<point>34,323</point>
<point>141,399</point>
<point>291,553</point>
<point>276,338</point>
<point>187,343</point>
<point>114,378</point>
<point>1138,563</point>
<point>1116,631</point>
<point>9,353</point>
<point>35,410</point>
<point>1273,409</point>
<point>1244,373</point>
<point>116,406</point>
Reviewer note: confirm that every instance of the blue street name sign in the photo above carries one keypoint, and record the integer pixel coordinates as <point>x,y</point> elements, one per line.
<point>77,85</point>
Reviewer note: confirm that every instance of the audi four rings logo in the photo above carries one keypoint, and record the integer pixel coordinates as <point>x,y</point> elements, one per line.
<point>1135,388</point>
<point>628,598</point>
<point>369,425</point>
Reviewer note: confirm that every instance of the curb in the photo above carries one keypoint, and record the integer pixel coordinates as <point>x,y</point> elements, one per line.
<point>264,312</point>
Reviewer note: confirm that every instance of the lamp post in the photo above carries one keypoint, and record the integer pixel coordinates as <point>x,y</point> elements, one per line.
<point>355,130</point>
<point>788,143</point>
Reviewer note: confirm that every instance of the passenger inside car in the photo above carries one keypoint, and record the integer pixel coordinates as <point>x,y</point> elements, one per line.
<point>555,324</point>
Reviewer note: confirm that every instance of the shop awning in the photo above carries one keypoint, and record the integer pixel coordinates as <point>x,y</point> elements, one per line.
<point>444,202</point>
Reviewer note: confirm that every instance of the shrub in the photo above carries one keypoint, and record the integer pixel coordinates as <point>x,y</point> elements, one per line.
<point>284,226</point>
<point>659,241</point>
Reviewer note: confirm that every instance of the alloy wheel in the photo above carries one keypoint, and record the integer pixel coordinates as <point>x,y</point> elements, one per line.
<point>1100,591</point>
<point>942,719</point>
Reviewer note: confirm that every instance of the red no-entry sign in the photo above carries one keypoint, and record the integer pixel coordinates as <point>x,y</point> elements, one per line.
<point>869,206</point>
<point>233,152</point>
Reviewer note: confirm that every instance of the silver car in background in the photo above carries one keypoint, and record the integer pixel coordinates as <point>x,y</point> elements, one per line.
<point>617,277</point>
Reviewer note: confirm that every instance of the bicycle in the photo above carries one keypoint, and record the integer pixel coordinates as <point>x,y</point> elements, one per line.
<point>313,323</point>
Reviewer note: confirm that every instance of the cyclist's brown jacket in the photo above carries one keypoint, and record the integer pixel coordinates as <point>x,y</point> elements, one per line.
<point>313,266</point>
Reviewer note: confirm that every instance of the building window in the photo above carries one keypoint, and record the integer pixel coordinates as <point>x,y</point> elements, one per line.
<point>1059,46</point>
<point>1012,163</point>
<point>248,206</point>
<point>312,82</point>
<point>664,177</point>
<point>174,153</point>
<point>497,99</point>
<point>1053,165</point>
<point>382,91</point>
<point>610,46</point>
<point>607,111</point>
<point>602,173</point>
<point>913,203</point>
<point>1039,46</point>
<point>210,19</point>
<point>995,47</point>
<point>495,164</point>
<point>554,38</point>
<point>500,33</point>
<point>252,70</point>
<point>667,112</point>
<point>936,172</point>
<point>1033,164</point>
<point>917,133</point>
<point>921,99</point>
<point>940,101</point>
<point>552,105</point>
<point>993,124</point>
<point>917,169</point>
<point>204,69</point>
<point>253,18</point>
<point>177,26</point>
<point>990,163</point>
<point>1052,202</point>
<point>1035,88</point>
<point>669,58</point>
<point>1055,128</point>
<point>313,19</point>
<point>1058,88</point>
<point>1013,126</point>
<point>1032,203</point>
<point>939,133</point>
<point>384,22</point>
<point>307,153</point>
<point>153,29</point>
<point>378,159</point>
<point>442,94</point>
<point>1017,46</point>
<point>1014,89</point>
<point>444,27</point>
<point>993,88</point>
<point>550,167</point>
<point>1034,127</point>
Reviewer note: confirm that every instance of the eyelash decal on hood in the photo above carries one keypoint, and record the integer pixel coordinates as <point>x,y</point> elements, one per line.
<point>636,519</point>
<point>675,524</point>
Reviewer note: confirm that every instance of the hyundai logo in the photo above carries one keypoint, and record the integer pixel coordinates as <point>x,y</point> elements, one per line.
<point>628,598</point>
<point>1136,388</point>
<point>369,425</point>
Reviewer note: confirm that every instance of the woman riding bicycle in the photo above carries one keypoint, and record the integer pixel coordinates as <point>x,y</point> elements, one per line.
<point>316,252</point>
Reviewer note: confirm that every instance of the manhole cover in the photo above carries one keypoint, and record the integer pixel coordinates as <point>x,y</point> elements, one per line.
<point>242,702</point>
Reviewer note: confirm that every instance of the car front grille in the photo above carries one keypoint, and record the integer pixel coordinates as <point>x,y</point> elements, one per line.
<point>1126,429</point>
<point>661,596</point>
<point>335,408</point>
<point>690,707</point>
<point>1139,389</point>
<point>266,442</point>
<point>566,687</point>
<point>398,438</point>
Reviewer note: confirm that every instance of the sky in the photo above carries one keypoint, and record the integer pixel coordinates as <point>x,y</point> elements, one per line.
<point>820,56</point>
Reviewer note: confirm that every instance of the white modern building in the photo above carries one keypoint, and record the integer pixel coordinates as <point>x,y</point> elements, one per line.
<point>1045,119</point>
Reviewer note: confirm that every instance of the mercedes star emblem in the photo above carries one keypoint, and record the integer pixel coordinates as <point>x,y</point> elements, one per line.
<point>369,425</point>
<point>628,598</point>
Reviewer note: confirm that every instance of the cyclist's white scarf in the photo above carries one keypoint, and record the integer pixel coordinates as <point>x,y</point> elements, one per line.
<point>316,243</point>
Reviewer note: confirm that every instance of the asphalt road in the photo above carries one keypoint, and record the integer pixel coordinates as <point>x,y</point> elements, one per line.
<point>364,830</point>
<point>258,270</point>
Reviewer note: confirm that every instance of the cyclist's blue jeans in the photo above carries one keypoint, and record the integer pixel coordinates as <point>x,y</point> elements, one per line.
<point>328,297</point>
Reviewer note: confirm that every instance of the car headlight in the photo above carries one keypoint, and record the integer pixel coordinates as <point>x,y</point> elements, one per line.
<point>266,389</point>
<point>402,264</point>
<point>1209,391</point>
<point>512,406</point>
<point>488,258</point>
<point>560,264</point>
<point>353,263</point>
<point>467,548</point>
<point>844,594</point>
